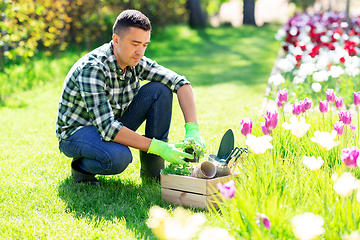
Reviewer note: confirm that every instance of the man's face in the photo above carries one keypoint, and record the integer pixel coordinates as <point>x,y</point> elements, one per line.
<point>131,46</point>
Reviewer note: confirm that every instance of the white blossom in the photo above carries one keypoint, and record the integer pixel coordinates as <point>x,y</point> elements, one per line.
<point>258,145</point>
<point>297,128</point>
<point>307,226</point>
<point>285,65</point>
<point>346,184</point>
<point>320,76</point>
<point>336,71</point>
<point>276,79</point>
<point>316,87</point>
<point>313,163</point>
<point>308,68</point>
<point>325,140</point>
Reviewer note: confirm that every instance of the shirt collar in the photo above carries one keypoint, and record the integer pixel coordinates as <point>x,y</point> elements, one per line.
<point>114,64</point>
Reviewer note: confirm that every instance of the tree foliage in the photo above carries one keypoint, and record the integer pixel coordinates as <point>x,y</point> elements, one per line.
<point>303,4</point>
<point>26,26</point>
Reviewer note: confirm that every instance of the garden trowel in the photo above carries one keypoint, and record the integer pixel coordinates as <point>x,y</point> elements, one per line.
<point>226,145</point>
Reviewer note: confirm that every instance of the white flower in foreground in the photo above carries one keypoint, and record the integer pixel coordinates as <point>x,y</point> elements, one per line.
<point>258,145</point>
<point>297,128</point>
<point>307,226</point>
<point>276,79</point>
<point>346,184</point>
<point>355,235</point>
<point>320,76</point>
<point>215,233</point>
<point>182,226</point>
<point>316,87</point>
<point>325,140</point>
<point>312,163</point>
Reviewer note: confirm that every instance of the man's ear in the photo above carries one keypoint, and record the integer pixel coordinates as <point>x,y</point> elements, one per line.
<point>115,39</point>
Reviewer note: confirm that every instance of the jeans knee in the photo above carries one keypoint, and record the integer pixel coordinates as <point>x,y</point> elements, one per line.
<point>165,92</point>
<point>159,90</point>
<point>119,162</point>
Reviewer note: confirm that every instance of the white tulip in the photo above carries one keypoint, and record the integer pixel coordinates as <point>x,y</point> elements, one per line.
<point>316,87</point>
<point>320,76</point>
<point>297,128</point>
<point>313,163</point>
<point>307,226</point>
<point>258,145</point>
<point>346,184</point>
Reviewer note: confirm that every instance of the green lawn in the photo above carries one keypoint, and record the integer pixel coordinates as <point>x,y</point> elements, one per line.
<point>228,68</point>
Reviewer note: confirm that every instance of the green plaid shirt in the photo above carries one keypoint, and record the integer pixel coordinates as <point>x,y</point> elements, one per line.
<point>97,91</point>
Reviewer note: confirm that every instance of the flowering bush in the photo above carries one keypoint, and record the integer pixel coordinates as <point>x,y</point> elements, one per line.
<point>318,53</point>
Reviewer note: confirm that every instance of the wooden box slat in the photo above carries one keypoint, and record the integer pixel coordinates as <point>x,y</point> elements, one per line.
<point>194,185</point>
<point>188,199</point>
<point>190,191</point>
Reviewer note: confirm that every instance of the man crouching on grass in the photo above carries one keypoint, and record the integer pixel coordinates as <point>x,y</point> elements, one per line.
<point>102,105</point>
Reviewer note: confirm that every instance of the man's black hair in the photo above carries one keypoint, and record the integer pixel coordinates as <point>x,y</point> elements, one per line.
<point>131,18</point>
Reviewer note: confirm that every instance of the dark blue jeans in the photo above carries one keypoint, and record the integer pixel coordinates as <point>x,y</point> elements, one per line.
<point>152,103</point>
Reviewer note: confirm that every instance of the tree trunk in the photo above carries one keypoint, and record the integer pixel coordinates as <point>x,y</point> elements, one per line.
<point>347,15</point>
<point>249,12</point>
<point>197,18</point>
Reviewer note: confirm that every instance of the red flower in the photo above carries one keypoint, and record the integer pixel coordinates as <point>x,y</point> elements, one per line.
<point>298,58</point>
<point>316,49</point>
<point>286,48</point>
<point>312,54</point>
<point>342,59</point>
<point>331,46</point>
<point>352,52</point>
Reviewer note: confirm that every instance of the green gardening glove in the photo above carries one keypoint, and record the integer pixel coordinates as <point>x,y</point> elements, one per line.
<point>168,151</point>
<point>192,131</point>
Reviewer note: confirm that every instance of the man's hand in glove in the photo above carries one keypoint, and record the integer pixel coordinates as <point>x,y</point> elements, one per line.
<point>192,131</point>
<point>168,151</point>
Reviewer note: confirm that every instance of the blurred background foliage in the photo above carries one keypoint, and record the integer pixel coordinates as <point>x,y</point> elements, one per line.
<point>49,26</point>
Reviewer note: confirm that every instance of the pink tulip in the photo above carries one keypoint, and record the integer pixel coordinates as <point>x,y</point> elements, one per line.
<point>263,219</point>
<point>246,126</point>
<point>271,119</point>
<point>349,156</point>
<point>352,127</point>
<point>345,116</point>
<point>330,95</point>
<point>282,95</point>
<point>265,130</point>
<point>296,109</point>
<point>302,106</point>
<point>356,97</point>
<point>307,103</point>
<point>338,127</point>
<point>279,104</point>
<point>339,102</point>
<point>323,106</point>
<point>227,189</point>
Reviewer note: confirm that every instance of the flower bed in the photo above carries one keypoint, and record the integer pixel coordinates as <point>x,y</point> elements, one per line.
<point>318,52</point>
